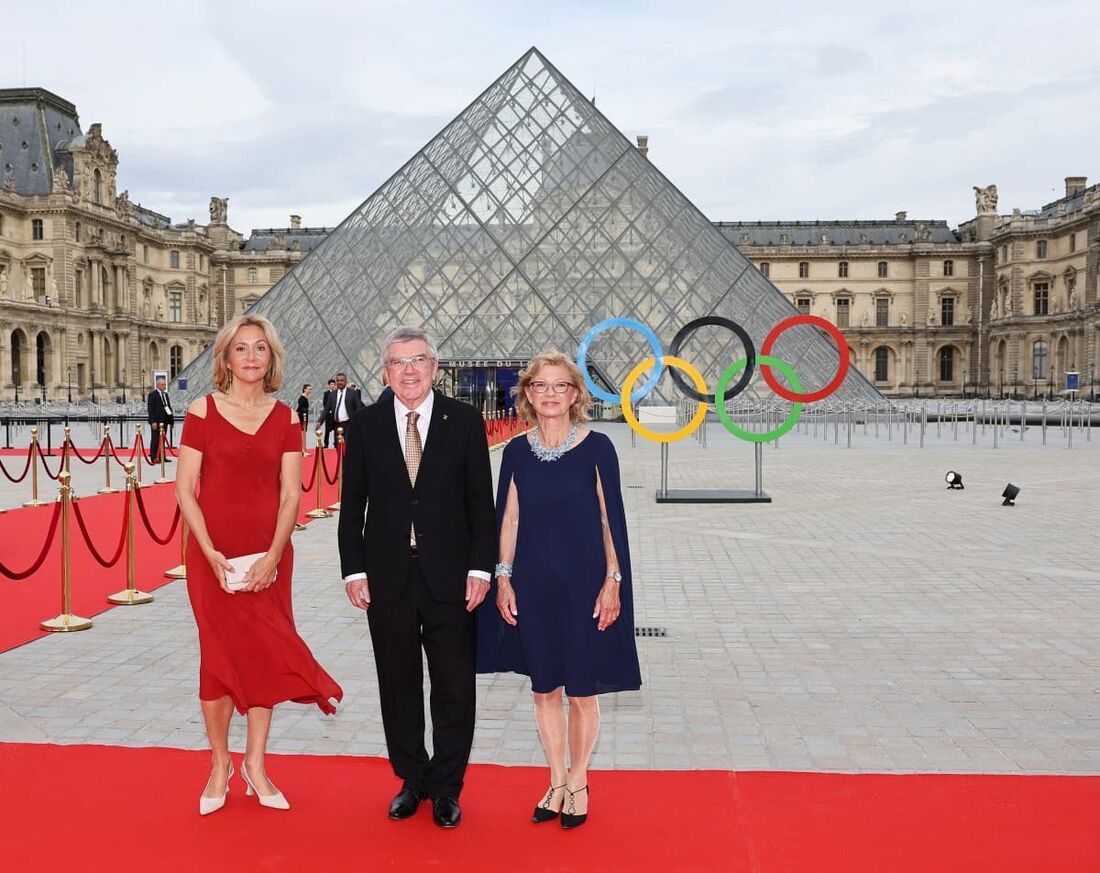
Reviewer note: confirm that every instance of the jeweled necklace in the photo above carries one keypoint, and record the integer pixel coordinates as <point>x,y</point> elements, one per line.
<point>552,454</point>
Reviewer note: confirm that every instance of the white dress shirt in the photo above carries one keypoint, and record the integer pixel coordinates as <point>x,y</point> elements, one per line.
<point>341,409</point>
<point>401,422</point>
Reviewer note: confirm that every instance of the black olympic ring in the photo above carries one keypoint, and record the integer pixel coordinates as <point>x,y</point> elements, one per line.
<point>750,354</point>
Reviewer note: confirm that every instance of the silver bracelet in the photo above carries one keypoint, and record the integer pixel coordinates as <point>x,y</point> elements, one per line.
<point>503,570</point>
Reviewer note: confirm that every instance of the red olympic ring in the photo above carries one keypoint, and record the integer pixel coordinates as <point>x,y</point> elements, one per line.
<point>842,351</point>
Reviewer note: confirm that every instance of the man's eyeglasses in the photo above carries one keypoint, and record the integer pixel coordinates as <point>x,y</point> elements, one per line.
<point>540,387</point>
<point>417,362</point>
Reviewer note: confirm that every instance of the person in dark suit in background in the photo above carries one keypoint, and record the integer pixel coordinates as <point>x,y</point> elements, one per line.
<point>159,406</point>
<point>325,417</point>
<point>417,464</point>
<point>344,402</point>
<point>303,411</point>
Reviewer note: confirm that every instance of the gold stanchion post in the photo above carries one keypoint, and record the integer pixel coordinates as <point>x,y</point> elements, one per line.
<point>162,436</point>
<point>139,455</point>
<point>107,461</point>
<point>66,621</point>
<point>66,450</point>
<point>180,572</point>
<point>35,450</point>
<point>320,511</point>
<point>130,596</point>
<point>340,448</point>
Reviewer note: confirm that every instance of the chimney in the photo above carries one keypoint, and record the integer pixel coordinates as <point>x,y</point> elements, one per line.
<point>643,145</point>
<point>901,216</point>
<point>295,222</point>
<point>1075,184</point>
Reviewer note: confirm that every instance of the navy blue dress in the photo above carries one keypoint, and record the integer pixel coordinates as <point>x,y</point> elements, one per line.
<point>558,570</point>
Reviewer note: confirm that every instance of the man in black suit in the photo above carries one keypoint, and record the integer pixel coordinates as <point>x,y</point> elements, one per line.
<point>303,411</point>
<point>344,402</point>
<point>159,407</point>
<point>418,463</point>
<point>326,417</point>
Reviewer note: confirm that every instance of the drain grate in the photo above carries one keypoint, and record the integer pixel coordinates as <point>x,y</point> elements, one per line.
<point>651,631</point>
<point>634,486</point>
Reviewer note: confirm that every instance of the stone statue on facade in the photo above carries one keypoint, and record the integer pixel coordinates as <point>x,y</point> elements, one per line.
<point>202,309</point>
<point>219,210</point>
<point>61,181</point>
<point>985,199</point>
<point>864,319</point>
<point>1008,304</point>
<point>160,311</point>
<point>1074,299</point>
<point>931,316</point>
<point>904,318</point>
<point>3,284</point>
<point>123,205</point>
<point>993,310</point>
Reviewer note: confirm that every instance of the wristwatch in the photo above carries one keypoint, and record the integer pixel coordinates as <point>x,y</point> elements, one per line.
<point>617,576</point>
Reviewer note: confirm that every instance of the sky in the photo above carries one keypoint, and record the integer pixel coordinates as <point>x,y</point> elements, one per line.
<point>798,111</point>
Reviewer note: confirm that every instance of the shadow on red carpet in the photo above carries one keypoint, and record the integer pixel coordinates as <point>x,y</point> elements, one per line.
<point>106,808</point>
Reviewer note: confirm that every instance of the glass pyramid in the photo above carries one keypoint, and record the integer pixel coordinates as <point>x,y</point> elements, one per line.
<point>527,220</point>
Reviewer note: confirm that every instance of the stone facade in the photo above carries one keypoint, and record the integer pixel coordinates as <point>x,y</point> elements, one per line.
<point>96,291</point>
<point>1005,305</point>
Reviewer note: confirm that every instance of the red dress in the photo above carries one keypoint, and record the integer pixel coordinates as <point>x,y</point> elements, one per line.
<point>249,647</point>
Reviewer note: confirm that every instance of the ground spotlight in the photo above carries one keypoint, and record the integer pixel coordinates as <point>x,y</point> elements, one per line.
<point>954,480</point>
<point>1009,494</point>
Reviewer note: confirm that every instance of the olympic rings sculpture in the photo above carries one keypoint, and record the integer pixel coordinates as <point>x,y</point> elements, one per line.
<point>742,369</point>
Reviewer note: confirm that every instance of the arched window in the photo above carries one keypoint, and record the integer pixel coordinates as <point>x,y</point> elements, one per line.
<point>882,364</point>
<point>174,259</point>
<point>77,233</point>
<point>883,269</point>
<point>803,269</point>
<point>1041,249</point>
<point>765,269</point>
<point>42,358</point>
<point>947,364</point>
<point>949,268</point>
<point>1040,359</point>
<point>18,352</point>
<point>175,361</point>
<point>97,188</point>
<point>842,270</point>
<point>253,275</point>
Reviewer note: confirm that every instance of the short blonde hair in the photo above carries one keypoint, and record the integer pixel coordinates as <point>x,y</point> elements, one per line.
<point>578,412</point>
<point>273,378</point>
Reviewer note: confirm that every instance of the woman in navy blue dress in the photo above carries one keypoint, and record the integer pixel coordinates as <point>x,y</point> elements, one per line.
<point>563,592</point>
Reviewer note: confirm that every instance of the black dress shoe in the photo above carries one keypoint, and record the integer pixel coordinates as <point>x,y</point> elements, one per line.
<point>405,804</point>
<point>446,812</point>
<point>573,819</point>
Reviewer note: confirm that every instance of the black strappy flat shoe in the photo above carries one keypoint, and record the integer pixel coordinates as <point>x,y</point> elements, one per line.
<point>570,819</point>
<point>543,812</point>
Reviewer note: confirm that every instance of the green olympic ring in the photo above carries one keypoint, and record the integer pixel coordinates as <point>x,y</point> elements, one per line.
<point>720,400</point>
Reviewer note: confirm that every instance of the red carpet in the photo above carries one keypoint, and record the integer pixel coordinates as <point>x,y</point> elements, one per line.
<point>104,808</point>
<point>25,603</point>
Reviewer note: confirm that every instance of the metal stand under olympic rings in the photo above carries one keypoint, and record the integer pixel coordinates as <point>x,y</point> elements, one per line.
<point>706,495</point>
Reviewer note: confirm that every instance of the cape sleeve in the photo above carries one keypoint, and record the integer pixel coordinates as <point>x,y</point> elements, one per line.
<point>194,431</point>
<point>607,463</point>
<point>498,643</point>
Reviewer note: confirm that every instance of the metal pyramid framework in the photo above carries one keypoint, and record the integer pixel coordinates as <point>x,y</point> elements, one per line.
<point>527,220</point>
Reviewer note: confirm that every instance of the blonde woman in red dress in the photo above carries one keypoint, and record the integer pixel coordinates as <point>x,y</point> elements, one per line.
<point>238,485</point>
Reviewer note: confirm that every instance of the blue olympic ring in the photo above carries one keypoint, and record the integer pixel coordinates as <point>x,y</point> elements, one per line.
<point>651,338</point>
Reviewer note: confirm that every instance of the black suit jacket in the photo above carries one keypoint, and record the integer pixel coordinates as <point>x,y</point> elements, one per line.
<point>451,505</point>
<point>303,408</point>
<point>157,410</point>
<point>353,402</point>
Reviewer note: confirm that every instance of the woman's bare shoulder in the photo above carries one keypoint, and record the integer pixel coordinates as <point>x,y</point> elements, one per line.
<point>197,407</point>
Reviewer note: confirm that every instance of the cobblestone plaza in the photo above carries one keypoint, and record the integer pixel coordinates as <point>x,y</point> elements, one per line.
<point>867,620</point>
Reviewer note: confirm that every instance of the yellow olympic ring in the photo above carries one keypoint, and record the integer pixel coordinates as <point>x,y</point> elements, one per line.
<point>628,411</point>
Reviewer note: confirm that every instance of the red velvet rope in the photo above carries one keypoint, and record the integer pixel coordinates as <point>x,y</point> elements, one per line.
<point>88,540</point>
<point>81,458</point>
<point>313,474</point>
<point>149,527</point>
<point>114,454</point>
<point>11,574</point>
<point>324,465</point>
<point>46,467</point>
<point>26,469</point>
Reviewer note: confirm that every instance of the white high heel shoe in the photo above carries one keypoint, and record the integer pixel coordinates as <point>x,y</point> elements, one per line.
<point>208,805</point>
<point>271,801</point>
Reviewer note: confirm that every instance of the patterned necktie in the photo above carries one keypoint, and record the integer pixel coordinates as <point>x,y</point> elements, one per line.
<point>413,448</point>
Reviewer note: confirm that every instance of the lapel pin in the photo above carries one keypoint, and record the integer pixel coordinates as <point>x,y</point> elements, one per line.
<point>444,416</point>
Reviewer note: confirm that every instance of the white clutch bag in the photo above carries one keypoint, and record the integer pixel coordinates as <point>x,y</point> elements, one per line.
<point>235,581</point>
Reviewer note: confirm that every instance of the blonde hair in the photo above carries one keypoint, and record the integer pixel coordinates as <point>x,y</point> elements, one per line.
<point>273,378</point>
<point>578,412</point>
